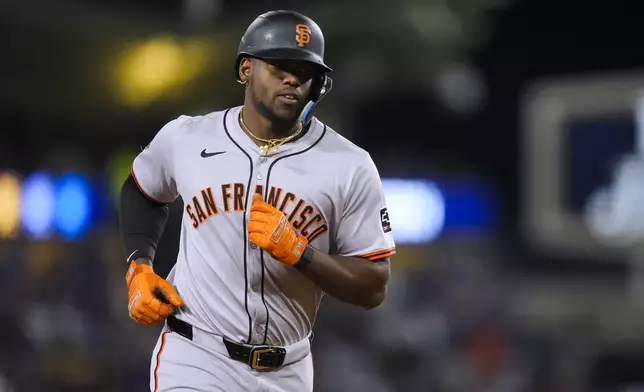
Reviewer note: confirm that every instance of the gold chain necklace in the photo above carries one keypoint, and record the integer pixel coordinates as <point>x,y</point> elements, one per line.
<point>270,146</point>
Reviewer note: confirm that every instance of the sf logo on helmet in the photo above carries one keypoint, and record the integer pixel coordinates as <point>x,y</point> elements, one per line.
<point>303,35</point>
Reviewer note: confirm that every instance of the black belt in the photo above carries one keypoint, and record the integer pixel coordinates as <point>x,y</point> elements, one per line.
<point>257,357</point>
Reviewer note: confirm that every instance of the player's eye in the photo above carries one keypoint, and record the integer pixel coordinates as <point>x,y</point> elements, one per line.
<point>303,72</point>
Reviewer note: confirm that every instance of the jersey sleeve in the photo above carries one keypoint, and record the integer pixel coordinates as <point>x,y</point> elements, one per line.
<point>364,229</point>
<point>153,168</point>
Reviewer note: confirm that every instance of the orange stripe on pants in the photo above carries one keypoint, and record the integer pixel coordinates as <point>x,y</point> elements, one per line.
<point>156,367</point>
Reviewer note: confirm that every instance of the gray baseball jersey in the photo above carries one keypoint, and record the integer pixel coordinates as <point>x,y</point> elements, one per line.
<point>329,189</point>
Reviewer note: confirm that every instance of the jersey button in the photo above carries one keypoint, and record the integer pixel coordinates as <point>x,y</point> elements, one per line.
<point>259,176</point>
<point>262,160</point>
<point>259,328</point>
<point>256,287</point>
<point>253,246</point>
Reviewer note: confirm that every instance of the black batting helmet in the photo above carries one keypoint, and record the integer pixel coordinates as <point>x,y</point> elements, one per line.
<point>288,35</point>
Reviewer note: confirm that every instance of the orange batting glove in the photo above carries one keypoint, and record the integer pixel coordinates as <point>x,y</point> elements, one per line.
<point>270,230</point>
<point>151,299</point>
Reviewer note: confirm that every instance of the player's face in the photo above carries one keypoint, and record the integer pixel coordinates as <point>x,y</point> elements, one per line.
<point>281,88</point>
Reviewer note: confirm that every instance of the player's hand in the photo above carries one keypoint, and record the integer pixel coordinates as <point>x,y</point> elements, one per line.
<point>151,299</point>
<point>270,230</point>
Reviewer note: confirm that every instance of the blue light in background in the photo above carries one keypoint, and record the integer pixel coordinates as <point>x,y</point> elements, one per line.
<point>471,206</point>
<point>416,209</point>
<point>73,211</point>
<point>37,205</point>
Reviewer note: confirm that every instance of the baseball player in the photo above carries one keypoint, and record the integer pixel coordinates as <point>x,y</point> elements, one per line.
<point>279,209</point>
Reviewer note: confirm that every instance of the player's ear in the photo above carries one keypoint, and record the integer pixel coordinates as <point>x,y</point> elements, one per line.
<point>244,70</point>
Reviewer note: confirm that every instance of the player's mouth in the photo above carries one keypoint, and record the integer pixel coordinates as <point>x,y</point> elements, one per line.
<point>289,98</point>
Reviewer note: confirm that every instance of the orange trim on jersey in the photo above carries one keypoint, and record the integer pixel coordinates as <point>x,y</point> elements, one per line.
<point>313,366</point>
<point>156,367</point>
<point>379,254</point>
<point>141,188</point>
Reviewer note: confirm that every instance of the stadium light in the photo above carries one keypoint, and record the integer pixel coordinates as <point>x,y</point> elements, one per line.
<point>9,205</point>
<point>37,205</point>
<point>416,210</point>
<point>73,209</point>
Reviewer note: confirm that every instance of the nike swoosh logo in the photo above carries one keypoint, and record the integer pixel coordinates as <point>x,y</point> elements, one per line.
<point>205,154</point>
<point>130,256</point>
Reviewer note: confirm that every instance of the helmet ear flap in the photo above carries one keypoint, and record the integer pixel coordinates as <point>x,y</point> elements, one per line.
<point>319,89</point>
<point>316,87</point>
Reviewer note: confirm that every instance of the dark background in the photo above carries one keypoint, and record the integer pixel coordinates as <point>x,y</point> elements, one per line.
<point>434,90</point>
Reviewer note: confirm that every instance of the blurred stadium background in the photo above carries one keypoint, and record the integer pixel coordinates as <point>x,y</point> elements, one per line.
<point>510,134</point>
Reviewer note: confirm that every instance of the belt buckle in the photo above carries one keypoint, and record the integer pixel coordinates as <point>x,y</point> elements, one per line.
<point>256,356</point>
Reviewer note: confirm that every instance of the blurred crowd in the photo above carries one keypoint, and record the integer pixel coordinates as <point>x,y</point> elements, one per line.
<point>452,321</point>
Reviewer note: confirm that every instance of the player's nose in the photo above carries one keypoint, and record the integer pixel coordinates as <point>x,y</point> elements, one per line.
<point>291,79</point>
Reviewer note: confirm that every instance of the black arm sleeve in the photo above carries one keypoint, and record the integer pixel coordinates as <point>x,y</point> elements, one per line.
<point>141,221</point>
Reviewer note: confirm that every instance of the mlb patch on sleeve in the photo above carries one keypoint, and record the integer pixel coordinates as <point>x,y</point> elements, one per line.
<point>384,219</point>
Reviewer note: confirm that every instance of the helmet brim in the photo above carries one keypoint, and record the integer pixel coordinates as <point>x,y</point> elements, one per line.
<point>287,54</point>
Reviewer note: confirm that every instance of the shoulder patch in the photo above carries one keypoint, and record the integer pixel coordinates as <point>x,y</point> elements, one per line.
<point>384,219</point>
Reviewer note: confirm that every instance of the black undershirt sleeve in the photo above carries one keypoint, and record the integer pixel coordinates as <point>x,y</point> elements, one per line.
<point>141,221</point>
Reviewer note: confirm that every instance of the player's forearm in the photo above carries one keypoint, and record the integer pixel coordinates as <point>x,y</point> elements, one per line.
<point>352,280</point>
<point>141,222</point>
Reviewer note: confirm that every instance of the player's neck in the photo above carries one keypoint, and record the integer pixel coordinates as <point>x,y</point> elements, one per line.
<point>265,128</point>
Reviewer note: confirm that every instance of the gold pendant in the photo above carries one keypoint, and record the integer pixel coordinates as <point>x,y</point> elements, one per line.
<point>268,149</point>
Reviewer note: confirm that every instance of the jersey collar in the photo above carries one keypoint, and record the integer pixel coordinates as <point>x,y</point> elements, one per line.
<point>247,143</point>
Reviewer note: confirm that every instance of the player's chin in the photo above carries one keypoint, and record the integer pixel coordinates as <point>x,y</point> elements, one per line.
<point>287,112</point>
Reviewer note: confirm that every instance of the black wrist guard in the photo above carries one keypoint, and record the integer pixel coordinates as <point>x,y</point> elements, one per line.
<point>306,258</point>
